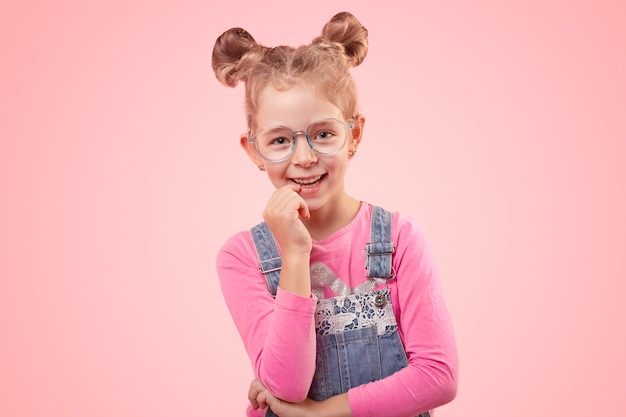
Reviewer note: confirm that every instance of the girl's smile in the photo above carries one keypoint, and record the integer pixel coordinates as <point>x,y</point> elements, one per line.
<point>309,185</point>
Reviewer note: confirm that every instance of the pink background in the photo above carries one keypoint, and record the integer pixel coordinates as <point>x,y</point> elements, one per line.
<point>499,126</point>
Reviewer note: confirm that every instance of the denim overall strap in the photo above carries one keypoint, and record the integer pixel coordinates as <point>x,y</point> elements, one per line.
<point>270,262</point>
<point>379,251</point>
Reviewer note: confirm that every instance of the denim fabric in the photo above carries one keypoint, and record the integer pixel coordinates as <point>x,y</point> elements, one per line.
<point>351,357</point>
<point>354,357</point>
<point>270,261</point>
<point>380,248</point>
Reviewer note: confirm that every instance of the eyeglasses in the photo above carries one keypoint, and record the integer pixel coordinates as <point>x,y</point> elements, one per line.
<point>277,143</point>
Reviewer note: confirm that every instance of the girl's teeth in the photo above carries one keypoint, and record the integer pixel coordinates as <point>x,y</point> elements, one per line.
<point>309,181</point>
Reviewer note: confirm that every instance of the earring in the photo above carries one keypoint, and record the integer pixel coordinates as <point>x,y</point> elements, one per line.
<point>351,153</point>
<point>261,168</point>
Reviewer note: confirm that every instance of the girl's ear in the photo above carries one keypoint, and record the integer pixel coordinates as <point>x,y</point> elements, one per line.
<point>251,151</point>
<point>357,132</point>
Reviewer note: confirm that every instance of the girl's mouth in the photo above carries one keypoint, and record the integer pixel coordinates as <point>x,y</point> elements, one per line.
<point>308,182</point>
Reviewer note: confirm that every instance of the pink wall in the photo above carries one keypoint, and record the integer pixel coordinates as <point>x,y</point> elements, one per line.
<point>500,128</point>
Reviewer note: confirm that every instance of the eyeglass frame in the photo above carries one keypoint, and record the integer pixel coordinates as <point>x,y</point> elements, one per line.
<point>295,134</point>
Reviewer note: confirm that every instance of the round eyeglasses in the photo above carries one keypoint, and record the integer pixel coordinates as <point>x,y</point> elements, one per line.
<point>277,143</point>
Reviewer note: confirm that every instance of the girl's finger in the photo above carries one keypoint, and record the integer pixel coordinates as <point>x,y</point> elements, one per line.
<point>253,393</point>
<point>303,210</point>
<point>273,402</point>
<point>261,400</point>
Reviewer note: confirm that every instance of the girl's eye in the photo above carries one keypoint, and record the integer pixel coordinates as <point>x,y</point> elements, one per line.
<point>281,140</point>
<point>324,135</point>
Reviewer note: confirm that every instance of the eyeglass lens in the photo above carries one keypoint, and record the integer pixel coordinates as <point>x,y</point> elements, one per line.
<point>324,136</point>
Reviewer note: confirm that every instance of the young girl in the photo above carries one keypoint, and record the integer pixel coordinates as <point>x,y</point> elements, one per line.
<point>337,301</point>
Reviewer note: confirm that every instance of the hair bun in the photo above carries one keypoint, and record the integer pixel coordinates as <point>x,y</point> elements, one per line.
<point>228,51</point>
<point>344,28</point>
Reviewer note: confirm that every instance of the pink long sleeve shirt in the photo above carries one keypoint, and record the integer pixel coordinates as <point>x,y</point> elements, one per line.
<point>278,333</point>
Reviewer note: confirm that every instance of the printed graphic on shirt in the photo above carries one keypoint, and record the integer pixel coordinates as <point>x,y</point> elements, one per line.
<point>322,277</point>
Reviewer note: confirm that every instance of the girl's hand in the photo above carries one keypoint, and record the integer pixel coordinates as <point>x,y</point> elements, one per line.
<point>257,401</point>
<point>260,397</point>
<point>283,215</point>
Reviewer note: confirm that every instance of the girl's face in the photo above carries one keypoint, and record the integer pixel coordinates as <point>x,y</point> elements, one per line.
<point>321,177</point>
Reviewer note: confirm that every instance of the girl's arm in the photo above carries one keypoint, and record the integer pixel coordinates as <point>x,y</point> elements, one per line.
<point>430,379</point>
<point>278,334</point>
<point>337,406</point>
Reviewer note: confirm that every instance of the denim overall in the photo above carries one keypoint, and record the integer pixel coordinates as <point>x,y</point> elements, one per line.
<point>356,334</point>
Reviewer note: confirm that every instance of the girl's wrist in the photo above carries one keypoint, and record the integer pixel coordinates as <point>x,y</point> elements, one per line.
<point>295,275</point>
<point>337,406</point>
<point>296,252</point>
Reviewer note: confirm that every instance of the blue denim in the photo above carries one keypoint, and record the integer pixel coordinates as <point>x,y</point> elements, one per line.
<point>352,357</point>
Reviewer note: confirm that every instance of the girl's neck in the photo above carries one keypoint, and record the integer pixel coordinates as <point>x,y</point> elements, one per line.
<point>332,217</point>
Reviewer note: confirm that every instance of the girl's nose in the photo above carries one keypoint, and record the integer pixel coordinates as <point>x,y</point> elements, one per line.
<point>303,155</point>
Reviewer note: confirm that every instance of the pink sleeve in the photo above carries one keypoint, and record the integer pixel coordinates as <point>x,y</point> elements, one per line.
<point>430,379</point>
<point>278,334</point>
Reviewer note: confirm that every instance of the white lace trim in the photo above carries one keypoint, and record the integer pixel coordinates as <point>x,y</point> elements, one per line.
<point>355,311</point>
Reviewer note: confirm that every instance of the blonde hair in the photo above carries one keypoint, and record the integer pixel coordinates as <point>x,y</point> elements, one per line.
<point>324,64</point>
